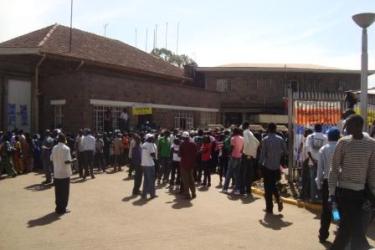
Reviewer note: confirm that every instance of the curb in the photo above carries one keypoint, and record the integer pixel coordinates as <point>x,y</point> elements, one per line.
<point>301,204</point>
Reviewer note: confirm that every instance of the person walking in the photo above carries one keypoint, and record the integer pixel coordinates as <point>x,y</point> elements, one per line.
<point>247,171</point>
<point>273,147</point>
<point>314,143</point>
<point>324,167</point>
<point>188,154</point>
<point>164,156</point>
<point>353,166</point>
<point>149,150</point>
<point>62,160</point>
<point>175,167</point>
<point>118,148</point>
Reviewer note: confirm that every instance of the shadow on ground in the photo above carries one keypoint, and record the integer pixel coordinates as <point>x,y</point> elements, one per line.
<point>274,222</point>
<point>245,200</point>
<point>39,187</point>
<point>44,220</point>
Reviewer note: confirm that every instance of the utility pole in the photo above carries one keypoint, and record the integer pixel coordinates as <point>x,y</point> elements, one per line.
<point>166,35</point>
<point>71,26</point>
<point>178,36</point>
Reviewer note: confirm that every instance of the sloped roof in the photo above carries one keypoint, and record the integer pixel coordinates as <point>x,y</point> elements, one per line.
<point>277,67</point>
<point>55,40</point>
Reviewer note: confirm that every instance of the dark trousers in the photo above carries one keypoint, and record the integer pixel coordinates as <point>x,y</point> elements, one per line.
<point>188,181</point>
<point>81,163</point>
<point>137,179</point>
<point>61,194</point>
<point>246,176</point>
<point>270,178</point>
<point>88,157</point>
<point>175,170</point>
<point>47,167</point>
<point>206,166</point>
<point>350,204</point>
<point>325,218</point>
<point>99,161</point>
<point>165,168</point>
<point>223,165</point>
<point>305,192</point>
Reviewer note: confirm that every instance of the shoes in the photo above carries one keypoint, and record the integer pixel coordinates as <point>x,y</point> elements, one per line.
<point>280,206</point>
<point>236,192</point>
<point>154,196</point>
<point>193,196</point>
<point>209,185</point>
<point>268,211</point>
<point>92,176</point>
<point>225,191</point>
<point>46,182</point>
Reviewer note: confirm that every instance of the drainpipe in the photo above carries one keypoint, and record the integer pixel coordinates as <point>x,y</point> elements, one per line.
<point>36,96</point>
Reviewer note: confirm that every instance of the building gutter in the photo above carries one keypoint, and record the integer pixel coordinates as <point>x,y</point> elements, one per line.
<point>35,106</point>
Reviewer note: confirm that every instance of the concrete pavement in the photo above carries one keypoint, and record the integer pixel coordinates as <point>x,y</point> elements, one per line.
<point>104,215</point>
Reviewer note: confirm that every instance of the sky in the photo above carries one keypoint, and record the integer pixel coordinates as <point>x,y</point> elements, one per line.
<point>213,32</point>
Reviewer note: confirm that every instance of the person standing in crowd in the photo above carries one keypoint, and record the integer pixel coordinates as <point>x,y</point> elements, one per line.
<point>6,152</point>
<point>18,155</point>
<point>314,142</point>
<point>135,163</point>
<point>88,146</point>
<point>118,148</point>
<point>37,152</point>
<point>233,170</point>
<point>125,148</point>
<point>99,153</point>
<point>198,140</point>
<point>62,161</point>
<point>273,147</point>
<point>108,120</point>
<point>306,163</point>
<point>47,145</point>
<point>206,157</point>
<point>164,156</point>
<point>149,150</point>
<point>224,158</point>
<point>131,146</point>
<point>28,151</point>
<point>353,166</point>
<point>188,154</point>
<point>124,120</point>
<point>372,133</point>
<point>324,167</point>
<point>79,152</point>
<point>250,148</point>
<point>175,167</point>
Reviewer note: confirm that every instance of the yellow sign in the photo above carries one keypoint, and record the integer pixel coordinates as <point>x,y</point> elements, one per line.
<point>142,111</point>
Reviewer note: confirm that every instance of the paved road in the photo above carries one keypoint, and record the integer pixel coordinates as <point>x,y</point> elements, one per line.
<point>105,216</point>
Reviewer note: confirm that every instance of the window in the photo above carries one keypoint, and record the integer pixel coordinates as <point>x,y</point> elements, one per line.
<point>98,117</point>
<point>223,85</point>
<point>58,116</point>
<point>207,118</point>
<point>184,120</point>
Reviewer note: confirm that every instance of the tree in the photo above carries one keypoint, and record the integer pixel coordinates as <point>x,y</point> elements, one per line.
<point>172,58</point>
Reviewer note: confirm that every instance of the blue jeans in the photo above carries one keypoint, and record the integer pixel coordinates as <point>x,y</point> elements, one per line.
<point>233,171</point>
<point>149,181</point>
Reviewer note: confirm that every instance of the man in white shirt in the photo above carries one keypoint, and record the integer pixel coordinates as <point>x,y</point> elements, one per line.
<point>148,164</point>
<point>88,147</point>
<point>250,148</point>
<point>314,143</point>
<point>62,160</point>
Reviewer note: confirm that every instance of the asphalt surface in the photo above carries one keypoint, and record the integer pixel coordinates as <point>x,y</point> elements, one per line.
<point>104,215</point>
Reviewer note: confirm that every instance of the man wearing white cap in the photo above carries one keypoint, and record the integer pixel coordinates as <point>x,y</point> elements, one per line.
<point>148,164</point>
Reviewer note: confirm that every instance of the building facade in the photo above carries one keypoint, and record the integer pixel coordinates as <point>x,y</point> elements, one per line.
<point>46,81</point>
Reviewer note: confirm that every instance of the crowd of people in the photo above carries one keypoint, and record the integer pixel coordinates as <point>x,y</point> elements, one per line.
<point>333,170</point>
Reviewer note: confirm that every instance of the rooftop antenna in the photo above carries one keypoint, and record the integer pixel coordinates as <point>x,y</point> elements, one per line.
<point>154,40</point>
<point>156,36</point>
<point>136,37</point>
<point>146,39</point>
<point>166,35</point>
<point>178,36</point>
<point>105,29</point>
<point>71,25</point>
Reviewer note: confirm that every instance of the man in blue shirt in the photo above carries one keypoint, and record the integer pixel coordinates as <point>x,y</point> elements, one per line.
<point>273,147</point>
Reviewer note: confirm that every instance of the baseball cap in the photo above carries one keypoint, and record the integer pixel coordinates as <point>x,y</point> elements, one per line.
<point>185,134</point>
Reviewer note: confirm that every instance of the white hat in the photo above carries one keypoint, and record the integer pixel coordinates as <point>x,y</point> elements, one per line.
<point>148,136</point>
<point>185,134</point>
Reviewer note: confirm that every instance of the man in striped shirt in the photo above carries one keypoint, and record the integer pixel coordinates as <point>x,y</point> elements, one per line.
<point>353,165</point>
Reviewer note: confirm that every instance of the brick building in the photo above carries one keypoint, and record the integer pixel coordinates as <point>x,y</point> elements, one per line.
<point>48,80</point>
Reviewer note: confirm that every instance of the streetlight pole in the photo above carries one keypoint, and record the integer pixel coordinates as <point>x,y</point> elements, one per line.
<point>364,20</point>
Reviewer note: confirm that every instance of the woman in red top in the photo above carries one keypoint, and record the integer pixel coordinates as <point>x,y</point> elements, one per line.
<point>206,150</point>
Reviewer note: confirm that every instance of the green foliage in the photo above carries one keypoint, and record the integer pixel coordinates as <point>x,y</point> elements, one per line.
<point>172,58</point>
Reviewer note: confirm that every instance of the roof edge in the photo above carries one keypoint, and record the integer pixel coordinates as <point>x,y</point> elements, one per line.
<point>19,51</point>
<point>48,35</point>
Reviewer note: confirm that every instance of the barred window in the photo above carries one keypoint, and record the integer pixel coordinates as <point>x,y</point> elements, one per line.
<point>207,118</point>
<point>184,120</point>
<point>58,116</point>
<point>98,116</point>
<point>223,85</point>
